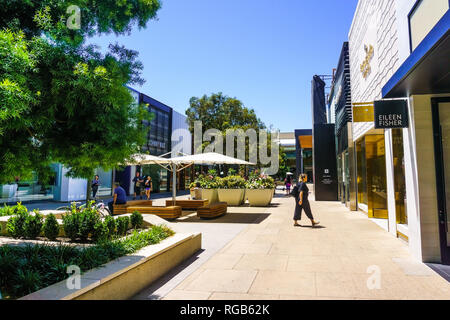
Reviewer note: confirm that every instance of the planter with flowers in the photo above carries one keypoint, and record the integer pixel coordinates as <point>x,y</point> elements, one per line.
<point>231,190</point>
<point>260,190</point>
<point>208,184</point>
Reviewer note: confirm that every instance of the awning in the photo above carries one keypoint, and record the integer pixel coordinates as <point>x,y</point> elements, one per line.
<point>427,70</point>
<point>209,159</point>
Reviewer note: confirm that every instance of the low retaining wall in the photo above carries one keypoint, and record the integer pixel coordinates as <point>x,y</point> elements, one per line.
<point>123,278</point>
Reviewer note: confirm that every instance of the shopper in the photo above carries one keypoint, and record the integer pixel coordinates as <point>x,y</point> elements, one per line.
<point>95,185</point>
<point>301,193</point>
<point>148,186</point>
<point>287,183</point>
<point>120,197</point>
<point>137,185</point>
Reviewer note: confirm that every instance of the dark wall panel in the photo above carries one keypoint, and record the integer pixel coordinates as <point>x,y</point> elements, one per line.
<point>325,167</point>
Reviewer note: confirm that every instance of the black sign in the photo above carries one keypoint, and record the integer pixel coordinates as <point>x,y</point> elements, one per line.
<point>391,114</point>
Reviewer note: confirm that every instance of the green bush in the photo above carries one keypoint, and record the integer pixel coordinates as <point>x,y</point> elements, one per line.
<point>112,226</point>
<point>100,232</point>
<point>24,270</point>
<point>15,224</point>
<point>87,221</point>
<point>32,226</point>
<point>260,182</point>
<point>51,227</point>
<point>71,223</point>
<point>137,220</point>
<point>231,182</point>
<point>122,225</point>
<point>6,211</point>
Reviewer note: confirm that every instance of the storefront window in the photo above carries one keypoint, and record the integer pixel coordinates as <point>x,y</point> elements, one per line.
<point>361,174</point>
<point>376,176</point>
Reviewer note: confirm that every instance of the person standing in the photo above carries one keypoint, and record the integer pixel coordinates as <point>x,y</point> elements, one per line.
<point>148,186</point>
<point>301,201</point>
<point>137,185</point>
<point>120,197</point>
<point>95,185</point>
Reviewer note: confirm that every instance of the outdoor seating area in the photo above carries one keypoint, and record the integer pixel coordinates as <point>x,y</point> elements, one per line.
<point>126,208</point>
<point>169,212</point>
<point>213,210</point>
<point>188,204</point>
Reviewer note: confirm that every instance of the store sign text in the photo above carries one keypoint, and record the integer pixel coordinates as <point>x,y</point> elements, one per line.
<point>391,114</point>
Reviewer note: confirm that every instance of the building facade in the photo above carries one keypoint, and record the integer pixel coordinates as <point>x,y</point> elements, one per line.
<point>339,101</point>
<point>399,59</point>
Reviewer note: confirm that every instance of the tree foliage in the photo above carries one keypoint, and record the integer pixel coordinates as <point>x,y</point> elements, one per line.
<point>62,100</point>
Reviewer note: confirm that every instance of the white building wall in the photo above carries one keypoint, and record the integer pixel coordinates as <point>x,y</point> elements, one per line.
<point>181,136</point>
<point>375,23</point>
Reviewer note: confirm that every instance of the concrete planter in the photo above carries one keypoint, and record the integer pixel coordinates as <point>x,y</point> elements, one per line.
<point>259,197</point>
<point>211,195</point>
<point>233,197</point>
<point>124,277</point>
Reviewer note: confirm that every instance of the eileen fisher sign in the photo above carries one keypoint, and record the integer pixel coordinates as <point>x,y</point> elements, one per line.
<point>391,114</point>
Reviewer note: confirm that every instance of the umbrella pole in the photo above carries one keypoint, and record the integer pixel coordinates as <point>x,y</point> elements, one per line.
<point>174,184</point>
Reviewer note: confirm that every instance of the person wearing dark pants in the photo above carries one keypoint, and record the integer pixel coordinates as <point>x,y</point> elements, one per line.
<point>95,184</point>
<point>120,197</point>
<point>301,202</point>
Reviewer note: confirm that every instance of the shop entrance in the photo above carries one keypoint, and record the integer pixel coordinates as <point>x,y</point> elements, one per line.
<point>441,127</point>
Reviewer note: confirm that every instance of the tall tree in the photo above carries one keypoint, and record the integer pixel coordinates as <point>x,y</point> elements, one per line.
<point>62,100</point>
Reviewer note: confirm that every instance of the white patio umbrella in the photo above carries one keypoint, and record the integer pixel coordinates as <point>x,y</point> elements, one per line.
<point>177,164</point>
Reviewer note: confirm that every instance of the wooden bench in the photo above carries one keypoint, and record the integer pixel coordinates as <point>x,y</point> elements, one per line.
<point>123,208</point>
<point>170,213</point>
<point>188,204</point>
<point>213,210</point>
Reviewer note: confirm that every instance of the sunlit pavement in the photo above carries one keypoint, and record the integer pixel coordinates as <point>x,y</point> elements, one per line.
<point>263,256</point>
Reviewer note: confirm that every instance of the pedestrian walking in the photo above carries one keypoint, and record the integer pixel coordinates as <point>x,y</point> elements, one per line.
<point>137,185</point>
<point>301,193</point>
<point>148,186</point>
<point>288,184</point>
<point>95,185</point>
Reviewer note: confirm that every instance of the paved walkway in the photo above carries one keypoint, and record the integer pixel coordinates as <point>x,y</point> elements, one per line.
<point>259,254</point>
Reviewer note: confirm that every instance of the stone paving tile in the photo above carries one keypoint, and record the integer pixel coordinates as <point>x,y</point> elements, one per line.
<point>262,262</point>
<point>222,261</point>
<point>284,283</point>
<point>275,260</point>
<point>242,296</point>
<point>187,295</point>
<point>223,280</point>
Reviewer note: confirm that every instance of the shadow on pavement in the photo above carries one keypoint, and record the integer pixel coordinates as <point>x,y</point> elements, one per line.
<point>231,217</point>
<point>147,293</point>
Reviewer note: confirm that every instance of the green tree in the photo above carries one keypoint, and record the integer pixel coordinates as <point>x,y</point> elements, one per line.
<point>60,99</point>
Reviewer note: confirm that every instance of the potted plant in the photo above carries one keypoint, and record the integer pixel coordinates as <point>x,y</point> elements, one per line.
<point>231,190</point>
<point>208,184</point>
<point>260,190</point>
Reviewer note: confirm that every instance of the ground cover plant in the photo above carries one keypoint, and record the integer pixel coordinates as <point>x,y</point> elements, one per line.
<point>26,269</point>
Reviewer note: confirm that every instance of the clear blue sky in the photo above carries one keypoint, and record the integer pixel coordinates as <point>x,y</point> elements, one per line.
<point>263,52</point>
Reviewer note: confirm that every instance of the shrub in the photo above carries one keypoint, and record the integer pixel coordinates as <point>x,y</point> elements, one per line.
<point>15,225</point>
<point>231,182</point>
<point>136,220</point>
<point>260,182</point>
<point>6,211</point>
<point>122,225</point>
<point>88,218</point>
<point>32,226</point>
<point>51,227</point>
<point>71,225</point>
<point>112,226</point>
<point>100,232</point>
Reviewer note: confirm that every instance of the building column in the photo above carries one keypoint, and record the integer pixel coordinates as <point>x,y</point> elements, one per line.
<point>392,211</point>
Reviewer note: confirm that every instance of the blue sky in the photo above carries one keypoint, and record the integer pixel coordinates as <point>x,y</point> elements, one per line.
<point>263,52</point>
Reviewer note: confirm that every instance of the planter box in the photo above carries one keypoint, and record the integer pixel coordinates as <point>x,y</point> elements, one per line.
<point>259,197</point>
<point>210,195</point>
<point>233,197</point>
<point>124,277</point>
